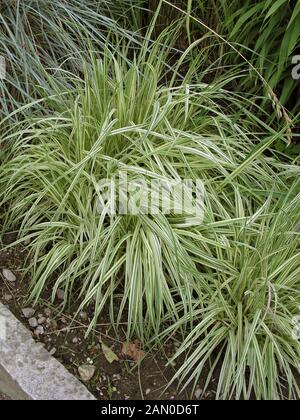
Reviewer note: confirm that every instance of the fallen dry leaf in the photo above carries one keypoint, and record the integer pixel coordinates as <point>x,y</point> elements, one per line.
<point>109,354</point>
<point>133,351</point>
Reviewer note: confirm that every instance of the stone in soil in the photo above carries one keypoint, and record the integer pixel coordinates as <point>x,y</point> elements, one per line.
<point>41,320</point>
<point>7,297</point>
<point>33,322</point>
<point>83,316</point>
<point>60,294</point>
<point>9,275</point>
<point>28,312</point>
<point>47,312</point>
<point>86,372</point>
<point>39,331</point>
<point>198,393</point>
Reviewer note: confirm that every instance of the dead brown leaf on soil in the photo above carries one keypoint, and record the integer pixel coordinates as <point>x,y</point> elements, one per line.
<point>132,350</point>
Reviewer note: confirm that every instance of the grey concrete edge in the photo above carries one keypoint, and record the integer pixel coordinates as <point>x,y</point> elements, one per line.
<point>28,371</point>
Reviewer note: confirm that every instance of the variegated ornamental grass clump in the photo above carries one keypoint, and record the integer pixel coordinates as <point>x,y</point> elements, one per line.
<point>229,285</point>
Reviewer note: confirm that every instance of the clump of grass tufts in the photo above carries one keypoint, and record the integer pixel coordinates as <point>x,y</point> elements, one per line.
<point>244,329</point>
<point>228,283</point>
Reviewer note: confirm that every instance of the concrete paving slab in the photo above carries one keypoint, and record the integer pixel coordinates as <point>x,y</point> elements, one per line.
<point>28,371</point>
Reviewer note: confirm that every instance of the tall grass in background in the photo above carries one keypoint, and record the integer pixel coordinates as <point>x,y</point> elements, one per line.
<point>267,32</point>
<point>259,40</point>
<point>38,37</point>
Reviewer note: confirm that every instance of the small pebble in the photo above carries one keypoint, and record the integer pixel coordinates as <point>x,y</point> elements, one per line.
<point>83,316</point>
<point>28,312</point>
<point>33,322</point>
<point>39,331</point>
<point>7,297</point>
<point>86,372</point>
<point>52,351</point>
<point>198,393</point>
<point>75,340</point>
<point>148,390</point>
<point>9,275</point>
<point>60,294</point>
<point>47,312</point>
<point>41,320</point>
